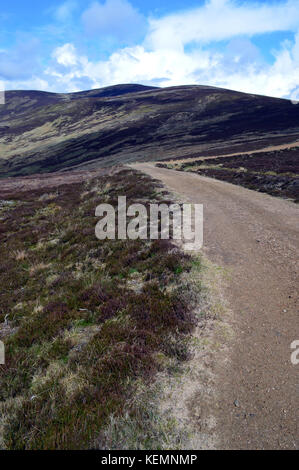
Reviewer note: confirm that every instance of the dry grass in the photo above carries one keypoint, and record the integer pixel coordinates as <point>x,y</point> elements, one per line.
<point>20,255</point>
<point>177,410</point>
<point>36,268</point>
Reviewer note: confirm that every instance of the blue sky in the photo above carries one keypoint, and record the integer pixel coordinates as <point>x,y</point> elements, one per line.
<point>71,45</point>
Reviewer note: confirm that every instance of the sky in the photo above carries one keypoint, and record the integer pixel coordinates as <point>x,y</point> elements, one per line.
<point>72,45</point>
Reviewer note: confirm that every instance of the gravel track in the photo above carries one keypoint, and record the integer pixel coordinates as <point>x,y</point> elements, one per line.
<point>255,237</point>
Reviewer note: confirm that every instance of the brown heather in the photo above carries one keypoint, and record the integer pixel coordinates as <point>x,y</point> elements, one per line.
<point>78,337</point>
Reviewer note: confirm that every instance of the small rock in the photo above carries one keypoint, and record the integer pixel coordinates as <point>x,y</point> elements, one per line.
<point>236,403</point>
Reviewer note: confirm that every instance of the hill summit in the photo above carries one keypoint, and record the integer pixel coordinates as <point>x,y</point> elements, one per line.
<point>45,132</point>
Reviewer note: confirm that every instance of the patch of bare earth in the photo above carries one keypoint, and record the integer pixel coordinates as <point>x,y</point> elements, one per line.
<point>270,148</point>
<point>47,181</point>
<point>190,396</point>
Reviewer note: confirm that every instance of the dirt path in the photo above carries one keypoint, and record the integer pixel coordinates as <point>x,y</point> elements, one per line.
<point>254,236</point>
<point>270,148</point>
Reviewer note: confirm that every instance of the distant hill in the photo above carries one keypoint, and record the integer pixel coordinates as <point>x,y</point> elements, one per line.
<point>45,132</point>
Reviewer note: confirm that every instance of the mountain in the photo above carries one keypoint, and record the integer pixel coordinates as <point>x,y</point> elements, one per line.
<point>45,132</point>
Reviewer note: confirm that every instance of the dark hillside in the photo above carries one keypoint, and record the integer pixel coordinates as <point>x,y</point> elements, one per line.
<point>46,132</point>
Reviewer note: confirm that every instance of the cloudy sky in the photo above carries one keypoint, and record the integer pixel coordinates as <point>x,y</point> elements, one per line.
<point>72,45</point>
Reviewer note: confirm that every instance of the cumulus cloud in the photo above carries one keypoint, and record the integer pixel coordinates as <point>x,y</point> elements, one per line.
<point>183,48</point>
<point>116,18</point>
<point>66,55</point>
<point>168,67</point>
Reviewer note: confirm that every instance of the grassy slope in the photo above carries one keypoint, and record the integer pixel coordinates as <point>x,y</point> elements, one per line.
<point>85,320</point>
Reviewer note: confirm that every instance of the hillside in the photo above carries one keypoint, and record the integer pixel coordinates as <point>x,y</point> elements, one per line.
<point>136,343</point>
<point>81,319</point>
<point>275,172</point>
<point>45,132</point>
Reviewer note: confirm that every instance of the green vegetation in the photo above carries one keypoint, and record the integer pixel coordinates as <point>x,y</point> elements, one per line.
<point>86,323</point>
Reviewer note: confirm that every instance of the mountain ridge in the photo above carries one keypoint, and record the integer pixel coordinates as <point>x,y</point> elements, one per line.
<point>45,132</point>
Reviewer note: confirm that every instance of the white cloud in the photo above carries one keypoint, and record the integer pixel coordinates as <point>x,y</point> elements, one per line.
<point>182,49</point>
<point>218,20</point>
<point>116,18</point>
<point>168,67</point>
<point>65,55</point>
